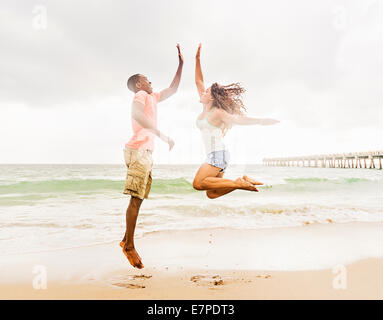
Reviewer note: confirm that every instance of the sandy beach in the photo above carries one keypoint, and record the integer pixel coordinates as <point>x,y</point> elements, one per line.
<point>209,264</point>
<point>365,282</point>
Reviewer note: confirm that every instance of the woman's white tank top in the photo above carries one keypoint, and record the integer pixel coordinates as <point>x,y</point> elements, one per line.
<point>212,135</point>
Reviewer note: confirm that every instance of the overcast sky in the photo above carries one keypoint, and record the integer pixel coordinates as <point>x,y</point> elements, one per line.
<point>316,66</point>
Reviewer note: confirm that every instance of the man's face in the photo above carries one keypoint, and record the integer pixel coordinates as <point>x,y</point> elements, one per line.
<point>144,84</point>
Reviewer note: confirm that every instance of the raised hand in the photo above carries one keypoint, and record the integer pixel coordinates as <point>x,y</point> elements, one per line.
<point>198,51</point>
<point>166,93</point>
<point>180,57</point>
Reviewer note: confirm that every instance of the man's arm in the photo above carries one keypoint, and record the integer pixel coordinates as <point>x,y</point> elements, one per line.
<point>166,93</point>
<point>139,115</point>
<point>198,73</point>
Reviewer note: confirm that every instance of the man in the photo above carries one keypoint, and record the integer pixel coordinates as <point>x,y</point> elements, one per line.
<point>138,151</point>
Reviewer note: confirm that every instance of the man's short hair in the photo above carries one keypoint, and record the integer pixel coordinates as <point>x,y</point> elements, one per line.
<point>132,82</point>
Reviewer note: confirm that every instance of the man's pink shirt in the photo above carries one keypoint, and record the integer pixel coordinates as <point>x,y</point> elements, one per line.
<point>143,139</point>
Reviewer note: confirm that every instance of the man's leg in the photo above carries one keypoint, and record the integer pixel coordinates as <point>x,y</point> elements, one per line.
<point>138,184</point>
<point>131,219</point>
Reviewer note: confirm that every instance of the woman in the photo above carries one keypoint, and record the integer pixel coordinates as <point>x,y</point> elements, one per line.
<point>222,108</point>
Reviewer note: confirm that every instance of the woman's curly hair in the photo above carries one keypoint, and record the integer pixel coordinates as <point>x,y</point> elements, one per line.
<point>228,98</point>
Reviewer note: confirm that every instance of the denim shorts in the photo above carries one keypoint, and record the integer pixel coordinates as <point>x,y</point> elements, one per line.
<point>219,159</point>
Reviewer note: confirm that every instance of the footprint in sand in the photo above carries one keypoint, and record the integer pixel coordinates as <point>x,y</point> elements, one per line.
<point>122,281</point>
<point>263,276</point>
<point>128,285</point>
<point>215,280</point>
<point>132,277</point>
<point>140,276</point>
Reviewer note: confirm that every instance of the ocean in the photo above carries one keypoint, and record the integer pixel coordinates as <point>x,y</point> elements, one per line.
<point>50,207</point>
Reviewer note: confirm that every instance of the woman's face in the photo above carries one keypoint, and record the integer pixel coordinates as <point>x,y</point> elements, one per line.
<point>206,96</point>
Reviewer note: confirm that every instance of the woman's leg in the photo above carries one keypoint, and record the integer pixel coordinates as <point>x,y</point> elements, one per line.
<point>207,179</point>
<point>212,194</point>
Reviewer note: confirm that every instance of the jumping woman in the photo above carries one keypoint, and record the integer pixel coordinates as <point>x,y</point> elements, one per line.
<point>222,108</point>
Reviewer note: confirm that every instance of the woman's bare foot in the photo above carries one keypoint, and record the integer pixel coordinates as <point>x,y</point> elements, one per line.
<point>252,181</point>
<point>133,257</point>
<point>244,185</point>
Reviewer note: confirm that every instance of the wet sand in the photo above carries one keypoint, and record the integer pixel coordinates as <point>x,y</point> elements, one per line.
<point>364,281</point>
<point>183,265</point>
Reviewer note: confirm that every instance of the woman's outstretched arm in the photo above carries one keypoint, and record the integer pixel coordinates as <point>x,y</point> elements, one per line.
<point>198,72</point>
<point>233,119</point>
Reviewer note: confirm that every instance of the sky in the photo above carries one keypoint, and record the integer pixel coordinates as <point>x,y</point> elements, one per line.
<point>316,66</point>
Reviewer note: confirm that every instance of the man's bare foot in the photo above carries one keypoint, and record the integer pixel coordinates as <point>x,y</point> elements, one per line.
<point>244,185</point>
<point>133,257</point>
<point>252,181</point>
<point>122,245</point>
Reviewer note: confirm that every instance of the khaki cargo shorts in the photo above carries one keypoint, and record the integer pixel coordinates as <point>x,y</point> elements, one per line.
<point>139,174</point>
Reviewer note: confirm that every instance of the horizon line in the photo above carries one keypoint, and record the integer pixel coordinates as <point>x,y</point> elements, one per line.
<point>85,163</point>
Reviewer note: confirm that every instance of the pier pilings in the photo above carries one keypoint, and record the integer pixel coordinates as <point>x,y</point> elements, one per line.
<point>352,160</point>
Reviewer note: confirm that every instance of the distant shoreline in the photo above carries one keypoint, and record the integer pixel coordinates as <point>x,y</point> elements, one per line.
<point>120,163</point>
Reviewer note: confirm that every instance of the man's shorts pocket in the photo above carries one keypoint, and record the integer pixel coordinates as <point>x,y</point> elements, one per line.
<point>133,183</point>
<point>137,180</point>
<point>136,175</point>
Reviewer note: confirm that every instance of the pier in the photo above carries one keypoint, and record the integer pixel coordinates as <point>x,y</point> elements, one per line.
<point>365,160</point>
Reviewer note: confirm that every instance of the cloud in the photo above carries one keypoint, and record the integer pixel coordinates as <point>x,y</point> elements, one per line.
<point>313,64</point>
